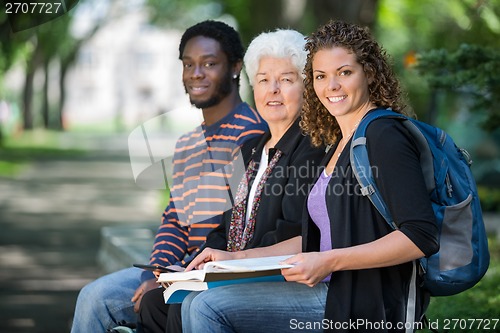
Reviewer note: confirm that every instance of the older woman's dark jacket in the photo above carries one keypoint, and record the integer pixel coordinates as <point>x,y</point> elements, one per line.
<point>280,212</point>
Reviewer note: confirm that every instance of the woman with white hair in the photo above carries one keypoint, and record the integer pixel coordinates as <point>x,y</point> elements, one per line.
<point>283,166</point>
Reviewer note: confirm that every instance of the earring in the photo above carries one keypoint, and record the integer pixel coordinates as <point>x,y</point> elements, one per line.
<point>235,76</point>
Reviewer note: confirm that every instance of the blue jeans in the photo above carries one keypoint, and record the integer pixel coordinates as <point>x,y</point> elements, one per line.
<point>105,301</point>
<point>256,307</point>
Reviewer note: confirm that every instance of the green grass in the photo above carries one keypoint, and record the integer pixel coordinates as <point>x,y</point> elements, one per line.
<point>8,168</point>
<point>32,146</point>
<point>37,138</point>
<point>480,302</point>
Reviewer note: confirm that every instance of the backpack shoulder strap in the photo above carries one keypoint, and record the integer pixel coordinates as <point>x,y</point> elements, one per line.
<point>361,166</point>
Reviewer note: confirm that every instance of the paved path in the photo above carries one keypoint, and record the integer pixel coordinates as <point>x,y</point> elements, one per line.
<point>50,218</point>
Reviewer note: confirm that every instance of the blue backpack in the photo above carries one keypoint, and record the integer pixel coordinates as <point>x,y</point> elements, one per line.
<point>463,257</point>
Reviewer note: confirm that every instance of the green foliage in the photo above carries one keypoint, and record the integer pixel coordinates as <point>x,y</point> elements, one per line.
<point>255,16</point>
<point>12,46</point>
<point>481,301</point>
<point>473,69</point>
<point>404,25</point>
<point>490,198</point>
<point>407,26</point>
<point>469,65</point>
<point>182,14</point>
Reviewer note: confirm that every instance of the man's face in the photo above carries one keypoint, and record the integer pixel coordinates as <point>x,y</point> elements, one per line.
<point>206,74</point>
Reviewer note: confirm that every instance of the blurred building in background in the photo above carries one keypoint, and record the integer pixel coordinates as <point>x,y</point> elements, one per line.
<point>127,73</point>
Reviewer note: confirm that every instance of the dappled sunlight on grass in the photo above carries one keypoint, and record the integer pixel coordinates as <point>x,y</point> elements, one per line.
<point>34,138</point>
<point>32,146</point>
<point>10,169</point>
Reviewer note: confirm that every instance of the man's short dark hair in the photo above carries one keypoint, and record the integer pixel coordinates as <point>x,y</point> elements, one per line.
<point>227,37</point>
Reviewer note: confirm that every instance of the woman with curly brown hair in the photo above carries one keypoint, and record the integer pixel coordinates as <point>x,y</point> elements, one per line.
<point>362,274</point>
<point>383,87</point>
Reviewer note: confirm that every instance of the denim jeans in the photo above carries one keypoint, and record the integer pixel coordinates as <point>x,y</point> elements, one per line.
<point>186,311</point>
<point>256,307</point>
<point>105,301</point>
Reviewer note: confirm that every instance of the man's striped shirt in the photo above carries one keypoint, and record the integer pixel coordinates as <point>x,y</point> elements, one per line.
<point>203,177</point>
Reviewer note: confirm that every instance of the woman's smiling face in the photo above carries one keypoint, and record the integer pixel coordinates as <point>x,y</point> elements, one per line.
<point>339,81</point>
<point>278,89</point>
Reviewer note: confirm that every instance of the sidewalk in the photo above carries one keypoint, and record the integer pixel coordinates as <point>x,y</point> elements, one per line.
<point>51,216</point>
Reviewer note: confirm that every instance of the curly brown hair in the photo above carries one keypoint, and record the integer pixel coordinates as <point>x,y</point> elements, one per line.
<point>384,90</point>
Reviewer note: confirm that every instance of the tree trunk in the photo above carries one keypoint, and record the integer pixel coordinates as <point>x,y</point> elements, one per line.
<point>28,99</point>
<point>33,64</point>
<point>65,63</point>
<point>62,93</point>
<point>45,97</point>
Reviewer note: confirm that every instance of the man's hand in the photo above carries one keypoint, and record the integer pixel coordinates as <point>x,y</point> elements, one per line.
<point>207,255</point>
<point>143,288</point>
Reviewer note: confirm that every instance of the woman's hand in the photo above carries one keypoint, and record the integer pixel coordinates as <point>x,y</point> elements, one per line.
<point>207,255</point>
<point>310,268</point>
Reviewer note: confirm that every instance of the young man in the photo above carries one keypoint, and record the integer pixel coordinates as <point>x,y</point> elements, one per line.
<point>211,54</point>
